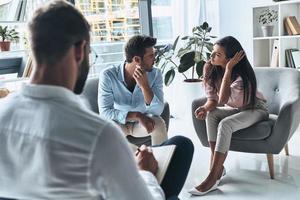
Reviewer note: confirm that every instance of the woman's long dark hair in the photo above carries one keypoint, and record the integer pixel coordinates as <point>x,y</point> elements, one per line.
<point>214,74</point>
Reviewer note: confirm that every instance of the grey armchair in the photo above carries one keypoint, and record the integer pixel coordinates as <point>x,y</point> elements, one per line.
<point>90,95</point>
<point>281,87</point>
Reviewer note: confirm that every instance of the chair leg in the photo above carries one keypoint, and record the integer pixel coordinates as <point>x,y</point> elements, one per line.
<point>271,165</point>
<point>286,148</point>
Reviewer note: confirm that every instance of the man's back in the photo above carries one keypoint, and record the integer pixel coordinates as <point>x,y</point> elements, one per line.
<point>52,147</point>
<point>46,144</point>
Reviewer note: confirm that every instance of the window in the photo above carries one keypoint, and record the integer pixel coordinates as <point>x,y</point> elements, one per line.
<point>171,18</point>
<point>12,10</point>
<point>162,20</point>
<point>112,23</point>
<point>15,14</point>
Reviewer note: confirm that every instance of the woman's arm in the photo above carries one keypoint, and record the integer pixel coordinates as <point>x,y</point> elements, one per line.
<point>225,90</point>
<point>201,112</point>
<point>210,105</point>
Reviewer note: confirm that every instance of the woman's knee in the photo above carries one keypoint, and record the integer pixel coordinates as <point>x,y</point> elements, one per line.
<point>212,115</point>
<point>225,126</point>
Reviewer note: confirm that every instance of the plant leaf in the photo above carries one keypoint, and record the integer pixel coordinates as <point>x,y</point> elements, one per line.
<point>183,51</point>
<point>205,25</point>
<point>169,77</point>
<point>186,61</point>
<point>175,43</point>
<point>183,67</point>
<point>199,68</point>
<point>163,67</point>
<point>186,58</point>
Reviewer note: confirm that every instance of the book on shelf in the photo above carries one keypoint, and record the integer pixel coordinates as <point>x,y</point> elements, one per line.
<point>296,58</point>
<point>289,59</point>
<point>163,155</point>
<point>275,54</point>
<point>287,29</point>
<point>293,24</point>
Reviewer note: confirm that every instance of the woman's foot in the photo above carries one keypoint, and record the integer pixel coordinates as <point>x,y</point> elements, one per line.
<point>196,192</point>
<point>207,184</point>
<point>222,173</point>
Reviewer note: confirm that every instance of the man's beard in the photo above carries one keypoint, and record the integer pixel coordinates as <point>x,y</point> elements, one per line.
<point>82,76</point>
<point>145,68</point>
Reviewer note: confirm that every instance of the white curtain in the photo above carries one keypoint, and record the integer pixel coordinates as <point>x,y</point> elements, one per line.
<point>31,6</point>
<point>186,15</point>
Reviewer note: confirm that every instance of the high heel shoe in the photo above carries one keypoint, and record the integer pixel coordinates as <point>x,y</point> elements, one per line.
<point>223,174</point>
<point>196,192</point>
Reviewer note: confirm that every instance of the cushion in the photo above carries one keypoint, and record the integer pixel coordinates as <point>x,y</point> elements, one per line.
<point>258,131</point>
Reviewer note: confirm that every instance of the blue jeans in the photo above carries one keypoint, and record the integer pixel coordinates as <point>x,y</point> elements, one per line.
<point>179,166</point>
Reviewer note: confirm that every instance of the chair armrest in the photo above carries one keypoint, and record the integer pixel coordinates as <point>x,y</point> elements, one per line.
<point>165,115</point>
<point>286,124</point>
<point>199,125</point>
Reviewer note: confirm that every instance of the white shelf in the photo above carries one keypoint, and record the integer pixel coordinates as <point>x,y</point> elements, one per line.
<point>290,36</point>
<point>266,38</point>
<point>263,46</point>
<point>13,54</point>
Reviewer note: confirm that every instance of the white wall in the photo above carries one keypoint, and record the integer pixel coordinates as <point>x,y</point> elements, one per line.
<point>235,19</point>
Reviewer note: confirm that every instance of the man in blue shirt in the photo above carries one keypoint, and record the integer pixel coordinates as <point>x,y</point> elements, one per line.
<point>131,94</point>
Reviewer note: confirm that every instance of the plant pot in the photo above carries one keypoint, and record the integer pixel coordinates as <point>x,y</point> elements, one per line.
<point>190,90</point>
<point>5,46</point>
<point>192,80</point>
<point>267,30</point>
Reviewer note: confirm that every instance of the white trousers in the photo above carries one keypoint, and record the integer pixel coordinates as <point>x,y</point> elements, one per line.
<point>223,121</point>
<point>158,135</point>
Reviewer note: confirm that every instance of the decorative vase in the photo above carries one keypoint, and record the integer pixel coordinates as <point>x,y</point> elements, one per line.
<point>5,46</point>
<point>267,30</point>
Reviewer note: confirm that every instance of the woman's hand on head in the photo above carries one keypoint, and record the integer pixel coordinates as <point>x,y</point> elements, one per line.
<point>235,60</point>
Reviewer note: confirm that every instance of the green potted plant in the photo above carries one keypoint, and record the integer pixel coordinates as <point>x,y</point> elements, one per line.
<point>6,37</point>
<point>191,56</point>
<point>266,18</point>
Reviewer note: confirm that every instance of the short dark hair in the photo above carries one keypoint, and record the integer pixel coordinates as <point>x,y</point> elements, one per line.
<point>136,46</point>
<point>54,28</point>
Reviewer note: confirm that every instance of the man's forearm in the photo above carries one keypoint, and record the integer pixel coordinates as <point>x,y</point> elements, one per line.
<point>148,94</point>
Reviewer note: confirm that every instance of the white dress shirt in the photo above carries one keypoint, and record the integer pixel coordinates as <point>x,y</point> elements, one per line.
<point>52,147</point>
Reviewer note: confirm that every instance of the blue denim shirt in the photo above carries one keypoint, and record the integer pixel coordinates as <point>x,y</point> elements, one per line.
<point>115,100</point>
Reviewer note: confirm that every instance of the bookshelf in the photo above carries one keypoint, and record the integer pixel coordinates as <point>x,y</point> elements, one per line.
<point>263,46</point>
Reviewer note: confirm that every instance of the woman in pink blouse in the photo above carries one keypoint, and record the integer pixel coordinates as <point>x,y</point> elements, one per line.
<point>229,81</point>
